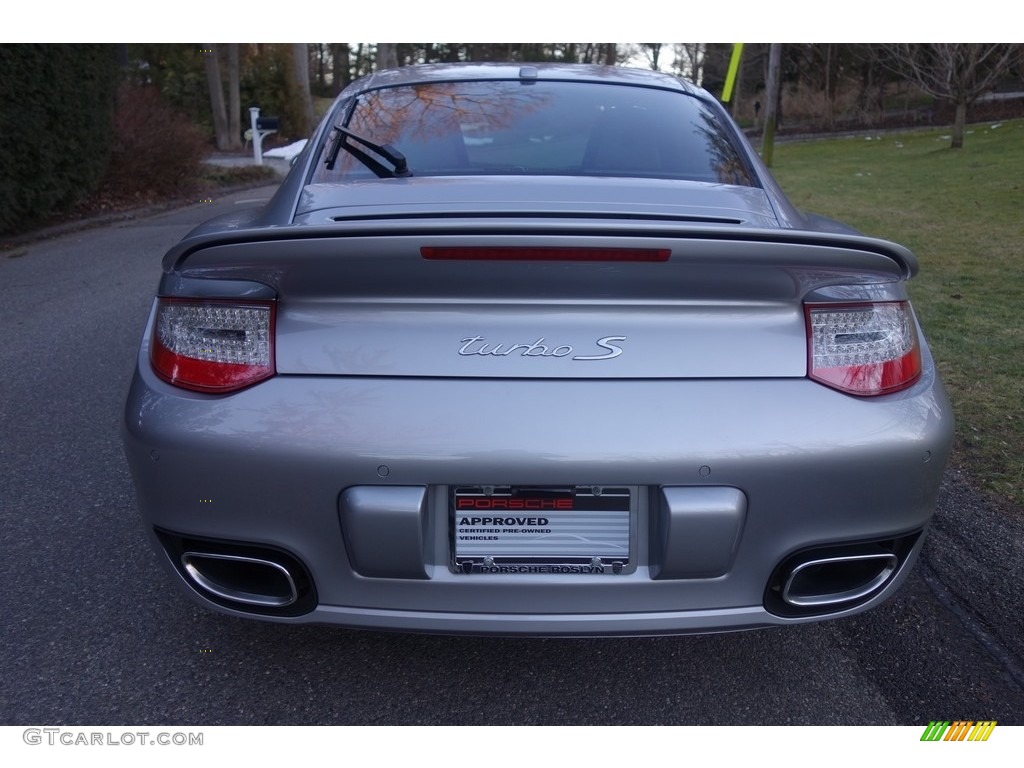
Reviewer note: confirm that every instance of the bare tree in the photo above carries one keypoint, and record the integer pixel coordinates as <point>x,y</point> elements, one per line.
<point>960,72</point>
<point>689,60</point>
<point>653,53</point>
<point>226,139</point>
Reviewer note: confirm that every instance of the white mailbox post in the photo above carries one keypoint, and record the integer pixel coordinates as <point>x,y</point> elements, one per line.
<point>260,128</point>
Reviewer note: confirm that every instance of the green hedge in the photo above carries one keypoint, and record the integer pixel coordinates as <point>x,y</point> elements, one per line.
<point>56,105</point>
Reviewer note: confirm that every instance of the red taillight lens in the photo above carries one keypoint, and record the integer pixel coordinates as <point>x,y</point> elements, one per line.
<point>213,346</point>
<point>863,349</point>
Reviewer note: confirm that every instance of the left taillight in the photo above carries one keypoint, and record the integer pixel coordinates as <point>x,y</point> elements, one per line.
<point>213,346</point>
<point>863,349</point>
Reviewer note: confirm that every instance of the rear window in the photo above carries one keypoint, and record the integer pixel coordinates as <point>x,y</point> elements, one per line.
<point>531,128</point>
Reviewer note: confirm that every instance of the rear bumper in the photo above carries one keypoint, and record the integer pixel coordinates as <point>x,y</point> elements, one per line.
<point>270,466</point>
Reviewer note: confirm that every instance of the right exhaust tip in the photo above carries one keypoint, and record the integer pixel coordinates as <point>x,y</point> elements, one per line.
<point>829,579</point>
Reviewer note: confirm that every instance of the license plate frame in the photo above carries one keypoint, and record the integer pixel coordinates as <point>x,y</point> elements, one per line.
<point>545,530</point>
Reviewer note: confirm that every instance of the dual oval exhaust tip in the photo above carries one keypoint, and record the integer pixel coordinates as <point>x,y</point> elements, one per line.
<point>813,583</point>
<point>268,581</point>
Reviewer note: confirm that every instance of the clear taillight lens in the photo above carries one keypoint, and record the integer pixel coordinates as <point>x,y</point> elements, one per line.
<point>213,346</point>
<point>863,349</point>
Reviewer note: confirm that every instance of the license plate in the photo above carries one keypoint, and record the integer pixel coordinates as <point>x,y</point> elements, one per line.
<point>541,530</point>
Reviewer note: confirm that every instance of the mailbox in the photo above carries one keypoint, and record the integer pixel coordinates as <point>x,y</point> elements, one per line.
<point>261,126</point>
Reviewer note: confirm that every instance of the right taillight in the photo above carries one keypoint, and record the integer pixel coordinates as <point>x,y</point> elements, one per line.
<point>213,346</point>
<point>863,349</point>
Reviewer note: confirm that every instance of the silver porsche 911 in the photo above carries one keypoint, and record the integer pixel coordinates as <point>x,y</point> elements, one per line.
<point>535,350</point>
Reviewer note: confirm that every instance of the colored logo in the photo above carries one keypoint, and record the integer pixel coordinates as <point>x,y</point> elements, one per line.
<point>958,730</point>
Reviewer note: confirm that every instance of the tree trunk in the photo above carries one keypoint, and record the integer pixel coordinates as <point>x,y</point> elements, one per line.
<point>830,119</point>
<point>451,53</point>
<point>234,99</point>
<point>655,54</point>
<point>864,98</point>
<point>387,55</point>
<point>610,54</point>
<point>771,98</point>
<point>737,90</point>
<point>959,123</point>
<point>300,54</point>
<point>340,67</point>
<point>695,61</point>
<point>220,117</point>
<point>321,68</point>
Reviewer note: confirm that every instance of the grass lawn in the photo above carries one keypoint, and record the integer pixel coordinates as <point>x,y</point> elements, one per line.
<point>962,213</point>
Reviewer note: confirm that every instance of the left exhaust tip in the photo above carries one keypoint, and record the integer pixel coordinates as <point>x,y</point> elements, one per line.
<point>247,580</point>
<point>240,576</point>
